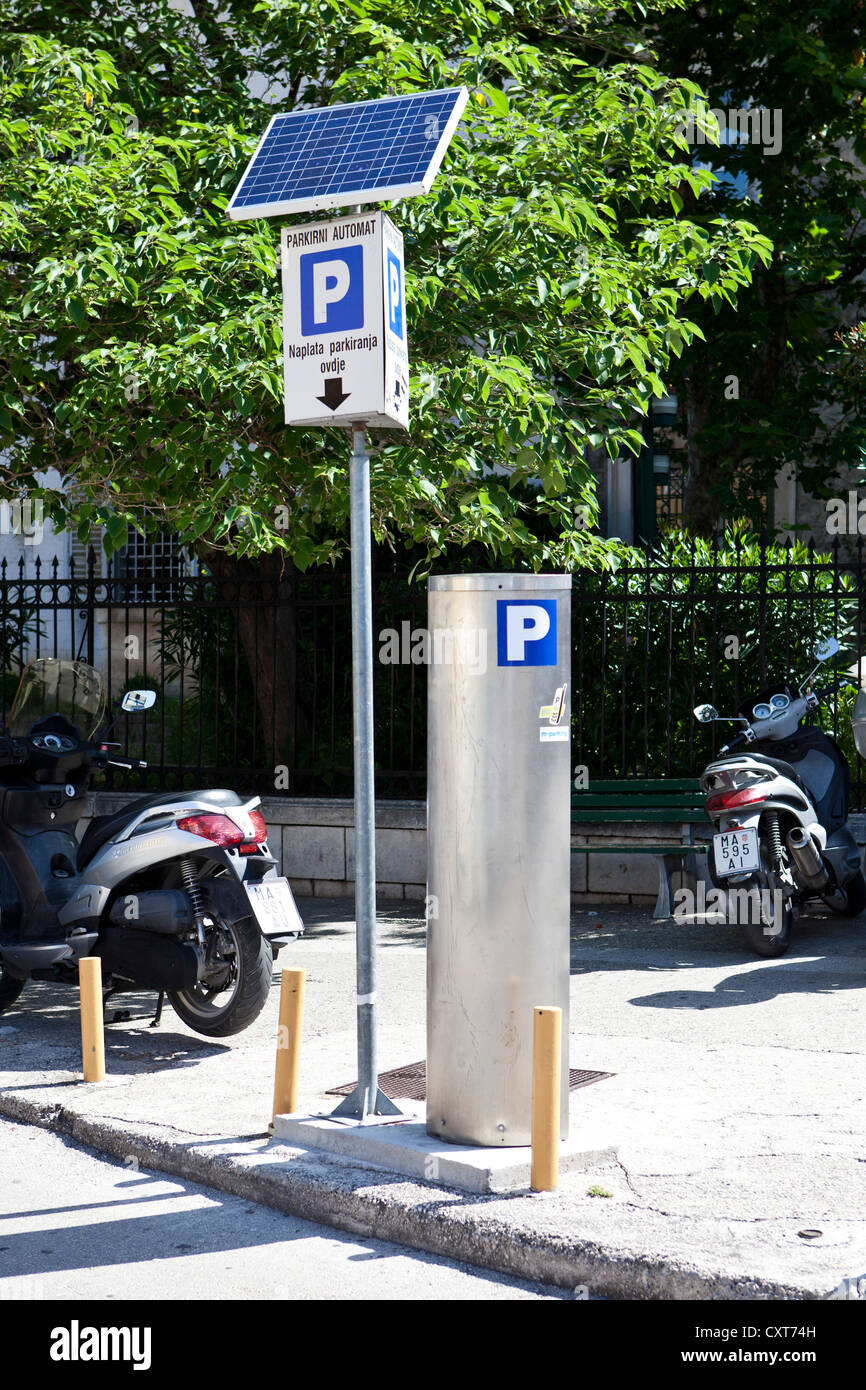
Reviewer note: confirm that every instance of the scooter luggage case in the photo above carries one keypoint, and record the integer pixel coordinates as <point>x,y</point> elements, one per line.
<point>41,807</point>
<point>129,952</point>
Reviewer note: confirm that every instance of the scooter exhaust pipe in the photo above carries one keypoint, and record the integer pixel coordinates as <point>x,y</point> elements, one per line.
<point>810,866</point>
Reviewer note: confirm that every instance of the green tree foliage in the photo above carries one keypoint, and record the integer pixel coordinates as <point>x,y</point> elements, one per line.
<point>552,275</point>
<point>794,402</point>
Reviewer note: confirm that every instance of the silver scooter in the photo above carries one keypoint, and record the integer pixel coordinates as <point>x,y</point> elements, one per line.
<point>177,892</point>
<point>780,812</point>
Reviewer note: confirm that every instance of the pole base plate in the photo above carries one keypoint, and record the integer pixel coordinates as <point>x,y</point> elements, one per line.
<point>357,1104</point>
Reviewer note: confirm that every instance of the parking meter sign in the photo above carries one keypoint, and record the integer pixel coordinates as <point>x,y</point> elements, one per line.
<point>345,358</point>
<point>332,290</point>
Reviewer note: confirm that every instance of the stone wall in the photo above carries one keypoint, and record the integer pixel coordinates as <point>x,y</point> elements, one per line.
<point>314,840</point>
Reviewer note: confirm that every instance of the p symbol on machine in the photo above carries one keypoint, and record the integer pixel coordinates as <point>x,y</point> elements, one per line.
<point>526,632</point>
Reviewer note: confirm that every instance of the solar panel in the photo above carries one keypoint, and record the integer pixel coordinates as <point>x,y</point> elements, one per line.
<point>355,152</point>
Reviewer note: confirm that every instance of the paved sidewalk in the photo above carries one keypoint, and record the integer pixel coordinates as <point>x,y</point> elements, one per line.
<point>738,1108</point>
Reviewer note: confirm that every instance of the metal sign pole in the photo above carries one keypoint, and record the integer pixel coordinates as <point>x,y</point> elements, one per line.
<point>366,1099</point>
<point>339,277</point>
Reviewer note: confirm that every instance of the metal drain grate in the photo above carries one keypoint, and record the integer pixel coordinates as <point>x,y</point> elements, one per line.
<point>410,1082</point>
<point>577,1078</point>
<point>403,1083</point>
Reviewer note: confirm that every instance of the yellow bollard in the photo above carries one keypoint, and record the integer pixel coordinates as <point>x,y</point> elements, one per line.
<point>289,1041</point>
<point>92,1034</point>
<point>546,1081</point>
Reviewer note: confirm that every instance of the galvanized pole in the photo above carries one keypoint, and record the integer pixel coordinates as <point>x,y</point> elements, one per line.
<point>366,1099</point>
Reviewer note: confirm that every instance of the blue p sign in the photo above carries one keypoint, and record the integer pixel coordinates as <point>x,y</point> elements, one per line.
<point>526,632</point>
<point>394,272</point>
<point>332,290</point>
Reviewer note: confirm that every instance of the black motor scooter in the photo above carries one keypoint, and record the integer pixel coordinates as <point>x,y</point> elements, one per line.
<point>176,892</point>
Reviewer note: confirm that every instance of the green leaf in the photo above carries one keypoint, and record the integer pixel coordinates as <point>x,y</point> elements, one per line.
<point>115,534</point>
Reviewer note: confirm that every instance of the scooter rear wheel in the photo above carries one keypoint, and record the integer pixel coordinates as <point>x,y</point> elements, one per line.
<point>10,988</point>
<point>232,1003</point>
<point>770,935</point>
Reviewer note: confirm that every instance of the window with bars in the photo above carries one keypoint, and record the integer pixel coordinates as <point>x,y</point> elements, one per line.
<point>151,568</point>
<point>668,480</point>
<point>80,555</point>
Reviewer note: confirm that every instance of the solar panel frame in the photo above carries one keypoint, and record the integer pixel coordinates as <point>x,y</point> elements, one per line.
<point>239,210</point>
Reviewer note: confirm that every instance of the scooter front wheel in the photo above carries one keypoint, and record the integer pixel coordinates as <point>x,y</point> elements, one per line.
<point>855,897</point>
<point>10,988</point>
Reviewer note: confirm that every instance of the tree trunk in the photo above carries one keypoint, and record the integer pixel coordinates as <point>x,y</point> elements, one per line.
<point>700,506</point>
<point>734,463</point>
<point>264,599</point>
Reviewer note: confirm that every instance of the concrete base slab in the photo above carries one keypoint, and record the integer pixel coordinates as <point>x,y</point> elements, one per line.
<point>404,1146</point>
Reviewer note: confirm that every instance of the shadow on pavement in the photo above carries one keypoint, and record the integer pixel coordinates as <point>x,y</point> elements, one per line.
<point>757,986</point>
<point>49,1015</point>
<point>143,1234</point>
<point>399,922</point>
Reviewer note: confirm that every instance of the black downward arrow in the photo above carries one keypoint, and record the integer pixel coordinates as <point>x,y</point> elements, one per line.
<point>334,393</point>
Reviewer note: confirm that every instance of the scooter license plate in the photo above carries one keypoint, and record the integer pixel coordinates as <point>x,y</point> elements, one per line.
<point>736,852</point>
<point>274,907</point>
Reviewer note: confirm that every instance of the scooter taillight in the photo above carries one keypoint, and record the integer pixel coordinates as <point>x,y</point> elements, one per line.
<point>724,801</point>
<point>261,834</point>
<point>212,827</point>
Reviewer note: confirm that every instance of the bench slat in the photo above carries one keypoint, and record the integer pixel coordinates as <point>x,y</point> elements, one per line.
<point>670,815</point>
<point>651,784</point>
<point>624,802</point>
<point>653,800</point>
<point>700,847</point>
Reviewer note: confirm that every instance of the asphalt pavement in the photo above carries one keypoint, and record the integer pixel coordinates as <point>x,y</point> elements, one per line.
<point>78,1226</point>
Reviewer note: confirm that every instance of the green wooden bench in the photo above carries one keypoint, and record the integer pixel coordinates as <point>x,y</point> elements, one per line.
<point>669,800</point>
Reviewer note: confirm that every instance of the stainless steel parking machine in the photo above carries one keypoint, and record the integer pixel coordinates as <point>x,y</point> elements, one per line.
<point>498,846</point>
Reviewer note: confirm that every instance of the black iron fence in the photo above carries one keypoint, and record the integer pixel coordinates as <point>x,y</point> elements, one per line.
<point>253,668</point>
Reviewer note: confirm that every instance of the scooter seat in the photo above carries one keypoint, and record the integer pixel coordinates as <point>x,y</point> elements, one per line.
<point>102,828</point>
<point>783,769</point>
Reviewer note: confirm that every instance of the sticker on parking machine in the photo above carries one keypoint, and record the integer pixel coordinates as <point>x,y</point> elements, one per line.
<point>554,712</point>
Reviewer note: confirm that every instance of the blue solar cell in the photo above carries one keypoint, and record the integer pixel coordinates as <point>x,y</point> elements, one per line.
<point>363,151</point>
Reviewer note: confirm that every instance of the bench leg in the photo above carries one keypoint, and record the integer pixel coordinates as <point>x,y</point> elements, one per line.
<point>694,864</point>
<point>666,865</point>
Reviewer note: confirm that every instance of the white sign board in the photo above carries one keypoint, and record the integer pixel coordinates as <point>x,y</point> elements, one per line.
<point>345,356</point>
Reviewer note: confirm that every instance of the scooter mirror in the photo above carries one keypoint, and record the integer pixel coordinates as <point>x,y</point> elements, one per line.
<point>858,723</point>
<point>826,649</point>
<point>136,700</point>
<point>705,713</point>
